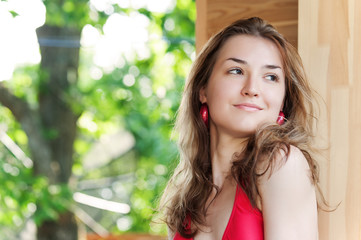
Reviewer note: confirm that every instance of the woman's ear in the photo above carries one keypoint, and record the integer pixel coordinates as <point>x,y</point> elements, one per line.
<point>202,95</point>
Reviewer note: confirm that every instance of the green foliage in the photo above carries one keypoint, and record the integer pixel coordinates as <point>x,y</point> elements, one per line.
<point>24,84</point>
<point>23,196</point>
<point>146,109</point>
<point>13,191</point>
<point>150,182</point>
<point>50,200</point>
<point>72,13</point>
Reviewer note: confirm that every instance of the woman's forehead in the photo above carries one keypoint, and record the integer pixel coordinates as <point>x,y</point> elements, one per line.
<point>251,50</point>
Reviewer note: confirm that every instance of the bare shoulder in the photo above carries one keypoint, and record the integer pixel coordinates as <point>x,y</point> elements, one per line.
<point>286,165</point>
<point>288,198</point>
<point>296,159</point>
<point>291,173</point>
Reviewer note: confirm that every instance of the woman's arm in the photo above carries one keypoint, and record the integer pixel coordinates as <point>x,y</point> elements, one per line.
<point>288,198</point>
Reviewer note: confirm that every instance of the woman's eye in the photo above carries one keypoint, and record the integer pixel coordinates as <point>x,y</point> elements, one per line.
<point>272,77</point>
<point>236,71</point>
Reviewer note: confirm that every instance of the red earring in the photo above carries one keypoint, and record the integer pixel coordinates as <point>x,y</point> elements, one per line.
<point>281,118</point>
<point>204,113</point>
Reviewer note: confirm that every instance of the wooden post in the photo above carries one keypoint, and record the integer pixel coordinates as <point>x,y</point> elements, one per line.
<point>330,46</point>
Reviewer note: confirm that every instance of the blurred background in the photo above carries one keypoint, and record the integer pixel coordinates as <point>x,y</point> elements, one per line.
<point>88,94</point>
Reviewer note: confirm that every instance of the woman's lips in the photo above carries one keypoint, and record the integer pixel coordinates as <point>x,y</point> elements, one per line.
<point>248,107</point>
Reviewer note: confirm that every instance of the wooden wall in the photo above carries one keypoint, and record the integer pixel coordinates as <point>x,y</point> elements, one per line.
<point>328,35</point>
<point>330,46</point>
<point>213,15</point>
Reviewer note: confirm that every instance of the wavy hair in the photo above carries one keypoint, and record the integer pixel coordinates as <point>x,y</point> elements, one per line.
<point>191,184</point>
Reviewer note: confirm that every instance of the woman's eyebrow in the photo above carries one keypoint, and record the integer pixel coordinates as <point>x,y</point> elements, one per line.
<point>241,61</point>
<point>237,60</point>
<point>272,66</point>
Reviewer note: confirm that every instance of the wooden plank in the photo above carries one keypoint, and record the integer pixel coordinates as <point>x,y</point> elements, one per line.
<point>215,14</point>
<point>329,44</point>
<point>201,24</point>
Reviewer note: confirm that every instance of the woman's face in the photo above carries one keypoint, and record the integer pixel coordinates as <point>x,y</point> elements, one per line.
<point>246,87</point>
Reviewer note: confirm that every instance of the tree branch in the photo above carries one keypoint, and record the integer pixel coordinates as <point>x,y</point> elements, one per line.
<point>17,106</point>
<point>30,123</point>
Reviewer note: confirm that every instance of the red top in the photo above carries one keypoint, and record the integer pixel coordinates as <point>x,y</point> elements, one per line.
<point>245,222</point>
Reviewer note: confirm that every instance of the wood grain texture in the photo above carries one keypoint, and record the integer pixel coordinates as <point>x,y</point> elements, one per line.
<point>213,15</point>
<point>201,24</point>
<point>330,46</point>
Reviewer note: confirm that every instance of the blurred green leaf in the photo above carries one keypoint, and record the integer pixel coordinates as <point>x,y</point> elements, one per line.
<point>146,110</point>
<point>13,13</point>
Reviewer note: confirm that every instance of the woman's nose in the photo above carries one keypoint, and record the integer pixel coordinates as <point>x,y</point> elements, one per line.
<point>250,88</point>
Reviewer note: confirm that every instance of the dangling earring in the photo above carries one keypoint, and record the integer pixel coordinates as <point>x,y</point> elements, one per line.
<point>204,113</point>
<point>281,118</point>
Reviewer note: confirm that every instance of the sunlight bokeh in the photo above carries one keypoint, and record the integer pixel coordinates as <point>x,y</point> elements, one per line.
<point>18,42</point>
<point>124,35</point>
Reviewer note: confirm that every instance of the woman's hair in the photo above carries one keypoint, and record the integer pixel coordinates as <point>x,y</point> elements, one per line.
<point>191,184</point>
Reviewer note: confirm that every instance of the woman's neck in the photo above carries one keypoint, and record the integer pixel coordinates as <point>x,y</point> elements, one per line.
<point>223,148</point>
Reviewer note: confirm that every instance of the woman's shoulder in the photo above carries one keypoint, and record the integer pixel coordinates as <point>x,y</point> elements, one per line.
<point>285,163</point>
<point>288,196</point>
<point>290,177</point>
<point>284,159</point>
<point>292,160</point>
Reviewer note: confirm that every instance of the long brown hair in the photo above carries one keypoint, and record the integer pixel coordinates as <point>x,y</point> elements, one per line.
<point>191,184</point>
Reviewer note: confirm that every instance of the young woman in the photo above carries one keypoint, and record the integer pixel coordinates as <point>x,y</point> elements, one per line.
<point>245,128</point>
